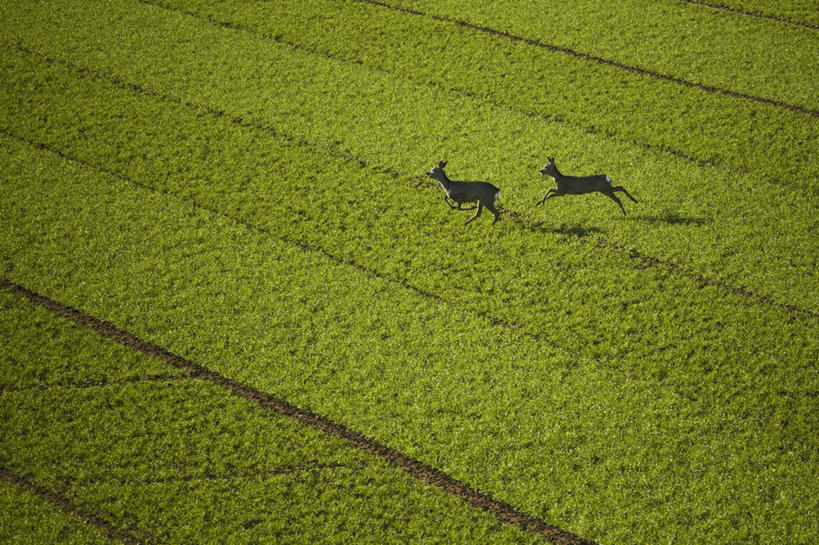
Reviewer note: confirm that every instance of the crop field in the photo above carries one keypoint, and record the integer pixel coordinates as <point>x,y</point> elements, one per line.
<point>233,308</point>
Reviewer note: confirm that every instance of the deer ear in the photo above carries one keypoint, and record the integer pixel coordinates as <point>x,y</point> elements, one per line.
<point>441,164</point>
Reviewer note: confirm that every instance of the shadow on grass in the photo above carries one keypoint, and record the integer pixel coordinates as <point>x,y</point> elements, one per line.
<point>576,230</point>
<point>672,218</point>
<point>541,226</point>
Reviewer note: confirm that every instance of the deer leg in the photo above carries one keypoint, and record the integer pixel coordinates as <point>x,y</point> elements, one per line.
<point>491,208</point>
<point>623,189</point>
<point>446,200</point>
<point>478,213</point>
<point>549,194</point>
<point>610,194</point>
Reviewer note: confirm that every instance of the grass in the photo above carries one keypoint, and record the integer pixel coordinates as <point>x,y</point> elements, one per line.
<point>708,127</point>
<point>255,203</point>
<point>739,229</point>
<point>671,38</point>
<point>799,12</point>
<point>30,520</point>
<point>220,468</point>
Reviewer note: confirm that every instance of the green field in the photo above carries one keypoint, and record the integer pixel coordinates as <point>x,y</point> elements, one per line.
<point>241,184</point>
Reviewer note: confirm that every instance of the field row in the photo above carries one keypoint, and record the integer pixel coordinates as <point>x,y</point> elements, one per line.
<point>202,163</point>
<point>253,199</point>
<point>795,12</point>
<point>152,462</point>
<point>659,114</point>
<point>28,517</point>
<point>370,240</point>
<point>193,282</point>
<point>722,224</point>
<point>668,39</point>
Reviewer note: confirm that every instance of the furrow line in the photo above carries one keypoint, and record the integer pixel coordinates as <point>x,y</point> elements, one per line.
<point>209,477</point>
<point>601,60</point>
<point>524,220</point>
<point>486,99</point>
<point>302,246</point>
<point>651,261</point>
<point>747,13</point>
<point>92,384</point>
<point>65,505</point>
<point>420,470</point>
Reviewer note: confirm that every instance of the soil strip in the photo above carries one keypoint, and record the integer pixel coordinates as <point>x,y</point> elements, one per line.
<point>423,472</point>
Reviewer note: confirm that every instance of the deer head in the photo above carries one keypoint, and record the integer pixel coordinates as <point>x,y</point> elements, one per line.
<point>549,169</point>
<point>438,172</point>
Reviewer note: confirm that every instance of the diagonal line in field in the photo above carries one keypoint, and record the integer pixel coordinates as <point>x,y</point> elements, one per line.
<point>754,14</point>
<point>305,247</point>
<point>91,384</point>
<point>525,221</point>
<point>319,470</point>
<point>65,505</point>
<point>601,60</point>
<point>521,219</point>
<point>486,99</point>
<point>421,471</point>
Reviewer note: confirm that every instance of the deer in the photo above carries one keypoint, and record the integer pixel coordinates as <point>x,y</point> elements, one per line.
<point>578,185</point>
<point>458,193</point>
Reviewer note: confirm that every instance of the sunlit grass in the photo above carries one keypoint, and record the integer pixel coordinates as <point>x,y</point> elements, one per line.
<point>261,208</point>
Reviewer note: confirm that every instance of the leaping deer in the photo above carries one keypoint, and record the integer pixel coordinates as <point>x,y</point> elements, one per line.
<point>459,193</point>
<point>574,185</point>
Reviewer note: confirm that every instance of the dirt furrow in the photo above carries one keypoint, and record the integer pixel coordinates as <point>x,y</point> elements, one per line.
<point>548,118</point>
<point>601,60</point>
<point>756,15</point>
<point>423,472</point>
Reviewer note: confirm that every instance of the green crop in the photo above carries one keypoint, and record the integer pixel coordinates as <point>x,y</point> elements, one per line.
<point>798,12</point>
<point>547,85</point>
<point>718,221</point>
<point>30,520</point>
<point>243,185</point>
<point>177,460</point>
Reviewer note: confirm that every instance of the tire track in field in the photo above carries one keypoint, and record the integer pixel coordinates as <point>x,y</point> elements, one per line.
<point>315,469</point>
<point>601,60</point>
<point>522,219</point>
<point>85,385</point>
<point>486,99</point>
<point>423,472</point>
<point>747,13</point>
<point>65,505</point>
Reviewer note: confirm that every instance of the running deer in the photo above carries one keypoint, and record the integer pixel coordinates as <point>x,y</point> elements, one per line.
<point>574,185</point>
<point>459,193</point>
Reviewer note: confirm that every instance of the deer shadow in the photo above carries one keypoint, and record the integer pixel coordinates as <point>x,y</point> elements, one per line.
<point>576,230</point>
<point>672,218</point>
<point>543,226</point>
